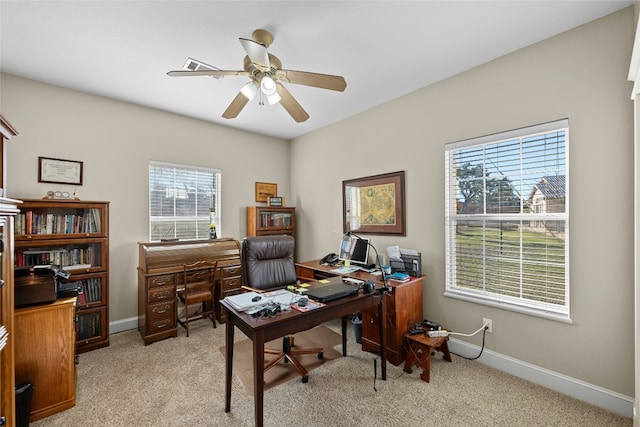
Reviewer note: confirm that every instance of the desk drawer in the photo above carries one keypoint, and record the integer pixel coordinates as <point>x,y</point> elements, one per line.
<point>161,316</point>
<point>231,284</point>
<point>164,280</point>
<point>230,271</point>
<point>166,293</point>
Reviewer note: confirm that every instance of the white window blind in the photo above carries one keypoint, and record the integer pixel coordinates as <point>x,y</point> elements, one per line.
<point>507,220</point>
<point>183,201</point>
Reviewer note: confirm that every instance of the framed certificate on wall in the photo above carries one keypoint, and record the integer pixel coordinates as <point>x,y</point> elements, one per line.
<point>59,171</point>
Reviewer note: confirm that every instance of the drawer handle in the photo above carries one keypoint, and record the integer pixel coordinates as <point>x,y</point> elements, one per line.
<point>232,282</point>
<point>164,281</point>
<point>161,309</point>
<point>160,295</point>
<point>161,324</point>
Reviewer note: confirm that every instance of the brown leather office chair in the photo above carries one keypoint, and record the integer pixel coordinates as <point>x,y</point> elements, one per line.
<point>268,264</point>
<point>197,287</point>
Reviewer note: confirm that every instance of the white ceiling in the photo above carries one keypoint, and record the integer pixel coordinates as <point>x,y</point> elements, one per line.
<point>384,49</point>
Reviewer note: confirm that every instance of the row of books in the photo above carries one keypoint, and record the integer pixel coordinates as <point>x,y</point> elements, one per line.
<point>91,290</point>
<point>31,222</point>
<point>65,257</point>
<point>269,219</point>
<point>89,326</point>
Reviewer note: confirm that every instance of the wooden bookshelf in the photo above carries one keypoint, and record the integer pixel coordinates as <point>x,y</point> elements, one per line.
<point>268,220</point>
<point>74,234</point>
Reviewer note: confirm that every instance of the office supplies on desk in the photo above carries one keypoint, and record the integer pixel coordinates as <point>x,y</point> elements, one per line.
<point>409,263</point>
<point>399,277</point>
<point>310,305</point>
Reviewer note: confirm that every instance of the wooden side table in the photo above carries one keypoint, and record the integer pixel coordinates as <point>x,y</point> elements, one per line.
<point>420,348</point>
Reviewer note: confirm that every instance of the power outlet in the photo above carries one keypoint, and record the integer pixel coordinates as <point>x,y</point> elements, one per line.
<point>488,323</point>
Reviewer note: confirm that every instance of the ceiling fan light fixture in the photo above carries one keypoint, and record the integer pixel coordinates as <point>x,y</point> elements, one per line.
<point>274,98</point>
<point>268,86</point>
<point>249,90</point>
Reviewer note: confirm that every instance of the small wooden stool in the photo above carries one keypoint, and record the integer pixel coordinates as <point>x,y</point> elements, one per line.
<point>420,348</point>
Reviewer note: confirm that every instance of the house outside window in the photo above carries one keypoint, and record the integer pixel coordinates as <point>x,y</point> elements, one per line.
<point>507,220</point>
<point>183,201</point>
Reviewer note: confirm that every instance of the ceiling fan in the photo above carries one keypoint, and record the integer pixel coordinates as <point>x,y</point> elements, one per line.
<point>266,77</point>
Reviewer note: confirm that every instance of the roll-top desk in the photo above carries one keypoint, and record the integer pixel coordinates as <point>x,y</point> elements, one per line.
<point>160,272</point>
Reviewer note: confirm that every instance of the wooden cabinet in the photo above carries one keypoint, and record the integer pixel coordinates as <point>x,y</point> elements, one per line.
<point>8,210</point>
<point>75,235</point>
<point>6,132</point>
<point>160,267</point>
<point>403,308</point>
<point>266,220</point>
<point>45,355</point>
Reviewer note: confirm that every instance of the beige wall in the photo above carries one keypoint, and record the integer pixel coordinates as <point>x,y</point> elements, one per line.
<point>116,140</point>
<point>581,75</point>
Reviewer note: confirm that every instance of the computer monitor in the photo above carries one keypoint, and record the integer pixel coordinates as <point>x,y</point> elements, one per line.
<point>355,249</point>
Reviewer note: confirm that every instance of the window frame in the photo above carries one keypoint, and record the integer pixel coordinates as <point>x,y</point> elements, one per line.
<point>180,223</point>
<point>482,293</point>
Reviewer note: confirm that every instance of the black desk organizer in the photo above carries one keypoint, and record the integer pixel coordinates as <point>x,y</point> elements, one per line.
<point>410,264</point>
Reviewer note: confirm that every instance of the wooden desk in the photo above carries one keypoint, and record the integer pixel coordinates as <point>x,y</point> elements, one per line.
<point>160,272</point>
<point>261,330</point>
<point>403,308</point>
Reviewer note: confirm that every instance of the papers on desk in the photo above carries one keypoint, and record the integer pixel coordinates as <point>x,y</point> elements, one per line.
<point>345,270</point>
<point>243,301</point>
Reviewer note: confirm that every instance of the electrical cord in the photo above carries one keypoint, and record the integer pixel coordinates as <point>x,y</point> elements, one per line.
<point>484,334</point>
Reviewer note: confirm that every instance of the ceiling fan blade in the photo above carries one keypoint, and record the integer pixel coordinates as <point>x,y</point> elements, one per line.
<point>257,53</point>
<point>213,73</point>
<point>323,81</point>
<point>236,106</point>
<point>290,104</point>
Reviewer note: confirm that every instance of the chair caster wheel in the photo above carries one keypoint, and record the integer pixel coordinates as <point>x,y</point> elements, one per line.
<point>320,355</point>
<point>305,379</point>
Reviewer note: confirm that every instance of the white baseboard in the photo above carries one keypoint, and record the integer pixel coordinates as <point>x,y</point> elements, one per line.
<point>598,396</point>
<point>123,325</point>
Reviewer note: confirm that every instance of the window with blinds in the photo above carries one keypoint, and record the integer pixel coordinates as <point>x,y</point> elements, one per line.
<point>183,201</point>
<point>507,220</point>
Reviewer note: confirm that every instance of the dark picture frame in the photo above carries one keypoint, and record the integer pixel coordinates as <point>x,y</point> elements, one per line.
<point>374,204</point>
<point>60,171</point>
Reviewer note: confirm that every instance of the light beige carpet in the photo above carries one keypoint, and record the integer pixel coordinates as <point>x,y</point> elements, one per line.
<point>320,336</point>
<point>179,382</point>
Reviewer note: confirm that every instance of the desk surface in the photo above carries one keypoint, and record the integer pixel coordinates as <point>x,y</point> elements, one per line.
<point>261,330</point>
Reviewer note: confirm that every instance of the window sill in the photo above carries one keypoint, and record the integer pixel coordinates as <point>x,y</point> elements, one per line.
<point>558,317</point>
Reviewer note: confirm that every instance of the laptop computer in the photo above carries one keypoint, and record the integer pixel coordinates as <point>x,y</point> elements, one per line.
<point>331,291</point>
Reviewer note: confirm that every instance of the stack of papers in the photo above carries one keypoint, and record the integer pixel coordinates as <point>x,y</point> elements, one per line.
<point>345,270</point>
<point>243,301</point>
